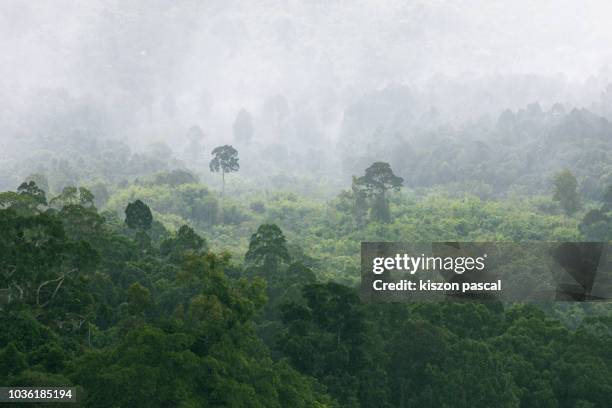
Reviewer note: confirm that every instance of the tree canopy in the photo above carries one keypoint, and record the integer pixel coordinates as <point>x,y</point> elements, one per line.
<point>138,215</point>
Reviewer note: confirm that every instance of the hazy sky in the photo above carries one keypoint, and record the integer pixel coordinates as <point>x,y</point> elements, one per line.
<point>190,58</point>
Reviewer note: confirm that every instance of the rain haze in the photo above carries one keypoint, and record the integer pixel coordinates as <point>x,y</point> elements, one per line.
<point>317,203</point>
<point>144,73</point>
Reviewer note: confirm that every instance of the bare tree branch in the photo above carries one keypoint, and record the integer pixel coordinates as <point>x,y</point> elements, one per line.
<point>60,281</point>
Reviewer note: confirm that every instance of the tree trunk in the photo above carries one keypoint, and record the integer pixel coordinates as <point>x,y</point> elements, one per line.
<point>220,214</point>
<point>223,183</point>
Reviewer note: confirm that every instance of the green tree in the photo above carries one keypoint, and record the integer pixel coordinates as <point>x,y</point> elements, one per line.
<point>225,160</point>
<point>28,199</point>
<point>139,298</point>
<point>82,223</point>
<point>74,196</point>
<point>31,190</point>
<point>185,239</point>
<point>566,192</point>
<point>138,216</point>
<point>378,179</point>
<point>329,338</point>
<point>40,180</point>
<point>12,361</point>
<point>38,262</point>
<point>360,201</point>
<point>596,226</point>
<point>267,247</point>
<point>203,352</point>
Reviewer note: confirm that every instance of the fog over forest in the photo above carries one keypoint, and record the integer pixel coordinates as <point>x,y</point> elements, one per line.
<point>186,187</point>
<point>315,78</point>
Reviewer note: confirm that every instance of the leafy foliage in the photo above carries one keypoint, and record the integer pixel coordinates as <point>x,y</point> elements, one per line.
<point>377,180</point>
<point>158,318</point>
<point>225,160</point>
<point>267,247</point>
<point>566,191</point>
<point>138,215</point>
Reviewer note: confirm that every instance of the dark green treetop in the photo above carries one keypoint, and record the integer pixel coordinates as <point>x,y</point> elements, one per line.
<point>186,239</point>
<point>378,179</point>
<point>267,247</point>
<point>138,215</point>
<point>32,190</point>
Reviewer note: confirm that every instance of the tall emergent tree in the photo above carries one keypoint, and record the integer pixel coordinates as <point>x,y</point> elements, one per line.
<point>225,160</point>
<point>566,191</point>
<point>378,179</point>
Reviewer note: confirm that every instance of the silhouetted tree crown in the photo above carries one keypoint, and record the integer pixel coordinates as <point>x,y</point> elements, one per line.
<point>378,179</point>
<point>186,239</point>
<point>267,247</point>
<point>225,160</point>
<point>138,215</point>
<point>31,190</point>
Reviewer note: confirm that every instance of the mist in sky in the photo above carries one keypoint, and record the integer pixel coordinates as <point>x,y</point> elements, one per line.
<point>147,71</point>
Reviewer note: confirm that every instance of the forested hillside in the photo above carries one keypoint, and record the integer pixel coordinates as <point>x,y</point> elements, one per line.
<point>175,295</point>
<point>227,275</point>
<point>185,186</point>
